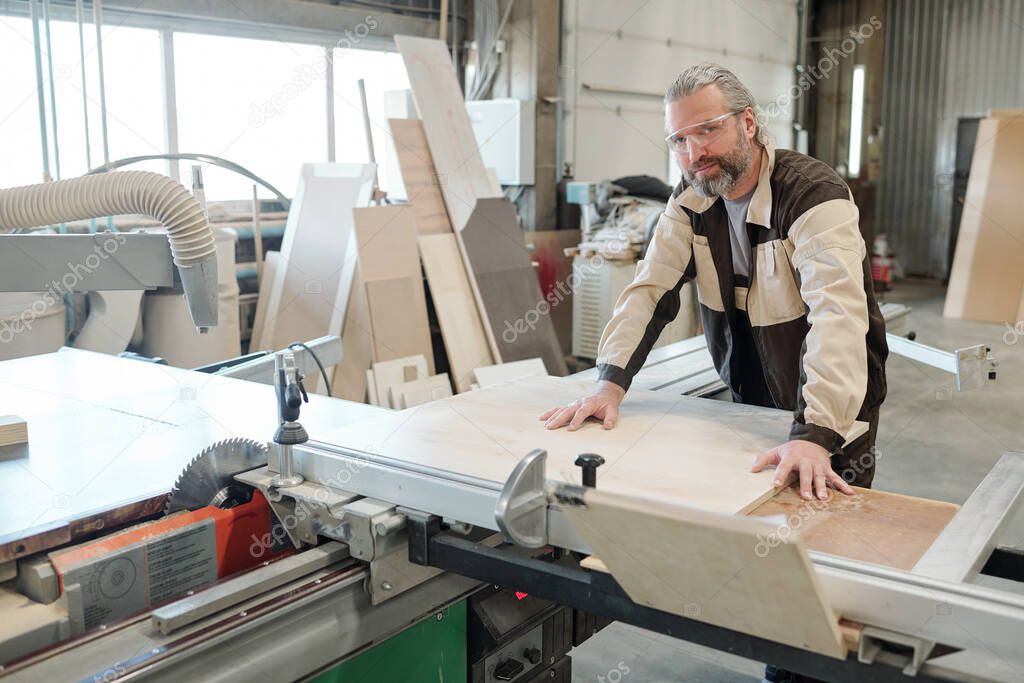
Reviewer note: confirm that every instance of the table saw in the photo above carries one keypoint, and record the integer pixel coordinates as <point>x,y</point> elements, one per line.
<point>157,526</point>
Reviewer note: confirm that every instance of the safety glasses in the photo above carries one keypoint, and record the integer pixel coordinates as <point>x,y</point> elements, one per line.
<point>700,134</point>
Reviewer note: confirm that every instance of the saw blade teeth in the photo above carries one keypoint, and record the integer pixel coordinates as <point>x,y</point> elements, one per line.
<point>213,469</point>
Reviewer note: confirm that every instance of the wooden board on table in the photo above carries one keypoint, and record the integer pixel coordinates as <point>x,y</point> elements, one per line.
<point>705,566</point>
<point>516,314</point>
<point>389,264</point>
<point>693,451</point>
<point>421,183</point>
<point>872,526</point>
<point>310,290</point>
<point>453,147</point>
<point>420,391</point>
<point>13,430</point>
<point>461,328</point>
<point>986,280</point>
<point>504,372</point>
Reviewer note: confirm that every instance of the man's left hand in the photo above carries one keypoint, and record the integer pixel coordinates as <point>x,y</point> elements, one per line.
<point>807,459</point>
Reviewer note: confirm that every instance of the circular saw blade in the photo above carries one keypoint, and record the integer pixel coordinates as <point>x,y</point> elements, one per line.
<point>209,479</point>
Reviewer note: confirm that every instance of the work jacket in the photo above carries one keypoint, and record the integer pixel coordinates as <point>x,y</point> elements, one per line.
<point>816,326</point>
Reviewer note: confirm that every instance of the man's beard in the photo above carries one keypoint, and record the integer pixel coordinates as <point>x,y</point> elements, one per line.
<point>731,168</point>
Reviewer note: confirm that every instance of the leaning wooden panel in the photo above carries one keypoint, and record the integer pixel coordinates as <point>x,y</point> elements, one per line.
<point>310,289</point>
<point>986,280</point>
<point>390,266</point>
<point>708,567</point>
<point>457,314</point>
<point>421,183</point>
<point>460,168</point>
<point>507,290</point>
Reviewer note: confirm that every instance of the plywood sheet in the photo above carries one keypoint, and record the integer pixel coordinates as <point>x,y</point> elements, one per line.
<point>113,316</point>
<point>349,379</point>
<point>271,262</point>
<point>393,372</point>
<point>460,168</point>
<point>516,314</point>
<point>987,279</point>
<point>461,328</point>
<point>693,451</point>
<point>390,267</point>
<point>310,289</point>
<point>421,183</point>
<point>504,372</point>
<point>871,526</point>
<point>704,566</point>
<point>420,391</point>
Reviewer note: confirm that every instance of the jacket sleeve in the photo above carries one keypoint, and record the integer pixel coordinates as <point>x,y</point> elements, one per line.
<point>828,254</point>
<point>651,301</point>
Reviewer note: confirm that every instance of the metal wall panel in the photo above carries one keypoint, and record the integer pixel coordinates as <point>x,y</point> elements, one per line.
<point>620,56</point>
<point>945,59</point>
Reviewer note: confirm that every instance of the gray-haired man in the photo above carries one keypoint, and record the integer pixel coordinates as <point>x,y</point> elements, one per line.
<point>771,238</point>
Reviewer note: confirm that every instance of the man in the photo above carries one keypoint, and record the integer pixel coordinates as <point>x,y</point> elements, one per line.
<point>771,238</point>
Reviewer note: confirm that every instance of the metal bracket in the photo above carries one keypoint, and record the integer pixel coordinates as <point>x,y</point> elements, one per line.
<point>873,640</point>
<point>522,508</point>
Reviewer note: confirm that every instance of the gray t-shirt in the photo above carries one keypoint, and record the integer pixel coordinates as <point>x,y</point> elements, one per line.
<point>737,210</point>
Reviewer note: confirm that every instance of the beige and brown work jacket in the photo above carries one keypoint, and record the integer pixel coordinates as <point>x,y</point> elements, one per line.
<point>816,326</point>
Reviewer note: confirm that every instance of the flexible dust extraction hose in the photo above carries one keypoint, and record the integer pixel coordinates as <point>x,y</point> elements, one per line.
<point>129,192</point>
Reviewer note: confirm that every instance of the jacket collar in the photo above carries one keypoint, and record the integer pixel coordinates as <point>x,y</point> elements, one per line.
<point>760,210</point>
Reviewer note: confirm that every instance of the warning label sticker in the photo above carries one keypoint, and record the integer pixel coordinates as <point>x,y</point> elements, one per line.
<point>133,578</point>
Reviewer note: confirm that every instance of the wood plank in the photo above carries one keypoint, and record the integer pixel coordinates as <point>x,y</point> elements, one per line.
<point>393,372</point>
<point>439,100</point>
<point>694,451</point>
<point>271,262</point>
<point>13,430</point>
<point>461,328</point>
<point>421,184</point>
<point>986,280</point>
<point>504,372</point>
<point>704,566</point>
<point>310,290</point>
<point>390,266</point>
<point>349,379</point>
<point>516,314</point>
<point>872,526</point>
<point>420,391</point>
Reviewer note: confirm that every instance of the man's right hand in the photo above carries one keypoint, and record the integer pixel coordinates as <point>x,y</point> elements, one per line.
<point>602,404</point>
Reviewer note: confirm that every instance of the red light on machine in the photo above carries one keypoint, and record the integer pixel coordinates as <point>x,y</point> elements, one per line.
<point>521,595</point>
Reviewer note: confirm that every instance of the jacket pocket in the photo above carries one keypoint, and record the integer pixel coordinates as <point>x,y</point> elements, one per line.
<point>708,291</point>
<point>776,295</point>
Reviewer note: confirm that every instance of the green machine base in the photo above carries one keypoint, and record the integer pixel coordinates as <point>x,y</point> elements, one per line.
<point>432,651</point>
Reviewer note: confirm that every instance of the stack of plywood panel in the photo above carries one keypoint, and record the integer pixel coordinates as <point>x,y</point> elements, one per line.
<point>481,234</point>
<point>987,279</point>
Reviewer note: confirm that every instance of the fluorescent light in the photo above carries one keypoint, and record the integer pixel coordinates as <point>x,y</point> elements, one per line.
<point>856,121</point>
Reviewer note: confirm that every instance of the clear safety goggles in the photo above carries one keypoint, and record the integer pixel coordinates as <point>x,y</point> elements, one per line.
<point>699,134</point>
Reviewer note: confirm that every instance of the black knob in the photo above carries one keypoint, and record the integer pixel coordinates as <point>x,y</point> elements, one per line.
<point>589,462</point>
<point>532,655</point>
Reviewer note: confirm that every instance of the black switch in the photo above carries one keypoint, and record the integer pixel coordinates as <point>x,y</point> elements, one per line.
<point>508,669</point>
<point>532,655</point>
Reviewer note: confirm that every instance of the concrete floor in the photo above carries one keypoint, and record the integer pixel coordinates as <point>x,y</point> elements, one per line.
<point>933,443</point>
